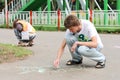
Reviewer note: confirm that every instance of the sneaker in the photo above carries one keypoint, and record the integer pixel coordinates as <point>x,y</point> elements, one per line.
<point>71,62</point>
<point>100,65</point>
<point>31,43</point>
<point>23,44</point>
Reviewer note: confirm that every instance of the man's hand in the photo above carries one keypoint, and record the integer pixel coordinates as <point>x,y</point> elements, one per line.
<point>56,63</point>
<point>74,46</point>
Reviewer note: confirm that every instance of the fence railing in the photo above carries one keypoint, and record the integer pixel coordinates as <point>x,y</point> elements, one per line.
<point>44,17</point>
<point>2,18</point>
<point>112,18</point>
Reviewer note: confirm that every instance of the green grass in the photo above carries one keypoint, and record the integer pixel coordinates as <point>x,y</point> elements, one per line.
<point>48,28</point>
<point>108,29</point>
<point>8,51</point>
<point>100,29</point>
<point>17,51</point>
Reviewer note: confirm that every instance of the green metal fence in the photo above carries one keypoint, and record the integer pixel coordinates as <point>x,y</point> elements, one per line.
<point>51,17</point>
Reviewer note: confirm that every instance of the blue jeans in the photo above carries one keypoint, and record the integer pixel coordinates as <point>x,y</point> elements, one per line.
<point>91,53</point>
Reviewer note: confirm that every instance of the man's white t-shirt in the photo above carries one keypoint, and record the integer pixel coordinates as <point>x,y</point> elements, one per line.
<point>87,32</point>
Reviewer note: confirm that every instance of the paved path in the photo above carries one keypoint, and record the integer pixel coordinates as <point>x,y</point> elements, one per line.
<point>39,65</point>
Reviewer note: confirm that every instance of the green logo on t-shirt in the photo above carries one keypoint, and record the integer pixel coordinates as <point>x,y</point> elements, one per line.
<point>83,38</point>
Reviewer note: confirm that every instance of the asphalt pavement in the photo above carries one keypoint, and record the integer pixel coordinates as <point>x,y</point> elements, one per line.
<point>39,66</point>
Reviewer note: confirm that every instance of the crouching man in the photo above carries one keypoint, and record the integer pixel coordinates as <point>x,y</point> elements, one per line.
<point>82,39</point>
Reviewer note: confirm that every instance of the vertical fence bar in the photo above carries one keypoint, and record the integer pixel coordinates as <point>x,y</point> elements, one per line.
<point>31,17</point>
<point>118,8</point>
<point>59,19</point>
<point>64,5</point>
<point>87,9</point>
<point>77,7</point>
<point>48,9</point>
<point>6,13</point>
<point>91,15</point>
<point>7,23</point>
<point>105,12</point>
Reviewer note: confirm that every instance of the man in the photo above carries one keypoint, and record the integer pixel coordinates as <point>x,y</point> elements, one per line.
<point>82,39</point>
<point>24,32</point>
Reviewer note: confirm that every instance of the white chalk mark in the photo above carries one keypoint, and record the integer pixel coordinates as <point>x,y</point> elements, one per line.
<point>26,70</point>
<point>41,70</point>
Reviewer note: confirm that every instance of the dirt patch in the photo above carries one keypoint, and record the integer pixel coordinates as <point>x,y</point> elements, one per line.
<point>10,53</point>
<point>10,57</point>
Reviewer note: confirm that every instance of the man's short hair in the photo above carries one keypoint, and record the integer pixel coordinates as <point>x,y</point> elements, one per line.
<point>71,21</point>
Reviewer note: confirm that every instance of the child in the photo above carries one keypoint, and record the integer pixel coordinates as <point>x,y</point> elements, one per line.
<point>83,40</point>
<point>24,32</point>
